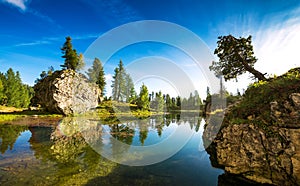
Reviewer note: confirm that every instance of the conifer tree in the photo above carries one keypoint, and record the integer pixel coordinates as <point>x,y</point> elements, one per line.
<point>96,74</point>
<point>143,101</point>
<point>70,55</point>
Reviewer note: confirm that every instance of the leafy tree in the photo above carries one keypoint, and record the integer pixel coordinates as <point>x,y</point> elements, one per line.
<point>96,74</point>
<point>143,101</point>
<point>70,55</point>
<point>236,57</point>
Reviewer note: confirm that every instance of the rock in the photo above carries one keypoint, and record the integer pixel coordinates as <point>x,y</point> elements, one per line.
<point>295,97</point>
<point>67,92</point>
<point>267,154</point>
<point>287,113</point>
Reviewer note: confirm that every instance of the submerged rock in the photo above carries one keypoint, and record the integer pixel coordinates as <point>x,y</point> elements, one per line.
<point>67,92</point>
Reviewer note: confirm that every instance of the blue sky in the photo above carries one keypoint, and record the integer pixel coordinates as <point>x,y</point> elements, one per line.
<point>32,31</point>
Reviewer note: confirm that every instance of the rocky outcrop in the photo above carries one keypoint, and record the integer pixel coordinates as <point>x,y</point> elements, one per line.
<point>67,92</point>
<point>260,152</point>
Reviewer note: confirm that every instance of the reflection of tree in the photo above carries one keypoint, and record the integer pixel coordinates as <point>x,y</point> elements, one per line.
<point>143,126</point>
<point>9,135</point>
<point>66,146</point>
<point>159,124</point>
<point>122,133</point>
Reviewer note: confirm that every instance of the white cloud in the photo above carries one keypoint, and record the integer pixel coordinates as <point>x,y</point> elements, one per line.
<point>277,48</point>
<point>18,3</point>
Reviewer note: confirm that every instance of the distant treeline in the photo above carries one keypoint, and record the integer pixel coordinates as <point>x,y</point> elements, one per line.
<point>12,91</point>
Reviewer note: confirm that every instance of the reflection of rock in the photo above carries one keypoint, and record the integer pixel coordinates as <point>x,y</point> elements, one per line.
<point>69,138</point>
<point>67,92</point>
<point>265,154</point>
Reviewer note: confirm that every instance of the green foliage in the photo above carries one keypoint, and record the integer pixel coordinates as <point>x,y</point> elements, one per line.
<point>13,92</point>
<point>257,98</point>
<point>236,57</point>
<point>193,102</point>
<point>72,60</point>
<point>96,74</point>
<point>45,74</point>
<point>9,135</point>
<point>143,101</point>
<point>122,85</point>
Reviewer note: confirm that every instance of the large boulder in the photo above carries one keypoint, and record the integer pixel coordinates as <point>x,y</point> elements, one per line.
<point>67,92</point>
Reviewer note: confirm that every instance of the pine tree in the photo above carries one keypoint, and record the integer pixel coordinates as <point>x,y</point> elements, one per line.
<point>178,102</point>
<point>129,88</point>
<point>70,55</point>
<point>168,102</point>
<point>96,74</point>
<point>81,62</point>
<point>143,101</point>
<point>159,102</point>
<point>119,83</point>
<point>1,91</point>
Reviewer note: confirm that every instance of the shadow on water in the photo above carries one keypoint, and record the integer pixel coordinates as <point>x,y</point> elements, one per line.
<point>63,155</point>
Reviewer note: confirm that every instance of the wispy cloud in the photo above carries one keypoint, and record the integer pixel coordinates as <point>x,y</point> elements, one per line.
<point>277,46</point>
<point>51,40</point>
<point>33,43</point>
<point>21,4</point>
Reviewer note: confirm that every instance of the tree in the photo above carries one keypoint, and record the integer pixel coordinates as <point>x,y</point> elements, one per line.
<point>159,101</point>
<point>129,91</point>
<point>198,102</point>
<point>143,101</point>
<point>16,93</point>
<point>178,102</point>
<point>122,85</point>
<point>44,74</point>
<point>96,74</point>
<point>1,91</point>
<point>81,62</point>
<point>70,55</point>
<point>168,102</point>
<point>118,83</point>
<point>236,57</point>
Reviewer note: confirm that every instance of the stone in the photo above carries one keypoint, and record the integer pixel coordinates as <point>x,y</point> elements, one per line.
<point>295,97</point>
<point>269,154</point>
<point>67,92</point>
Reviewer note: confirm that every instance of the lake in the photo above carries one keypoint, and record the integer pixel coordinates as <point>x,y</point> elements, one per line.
<point>71,153</point>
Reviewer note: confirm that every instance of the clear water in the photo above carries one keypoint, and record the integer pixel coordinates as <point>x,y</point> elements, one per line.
<point>62,156</point>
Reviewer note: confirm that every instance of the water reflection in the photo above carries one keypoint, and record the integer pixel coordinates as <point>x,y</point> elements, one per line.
<point>9,135</point>
<point>63,155</point>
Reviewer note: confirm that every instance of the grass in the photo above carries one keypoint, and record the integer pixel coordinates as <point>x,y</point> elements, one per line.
<point>255,105</point>
<point>8,114</point>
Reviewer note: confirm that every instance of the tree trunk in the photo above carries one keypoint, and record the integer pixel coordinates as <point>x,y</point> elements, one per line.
<point>260,76</point>
<point>256,73</point>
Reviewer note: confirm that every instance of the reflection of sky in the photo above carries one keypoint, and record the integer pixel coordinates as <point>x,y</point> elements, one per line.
<point>21,145</point>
